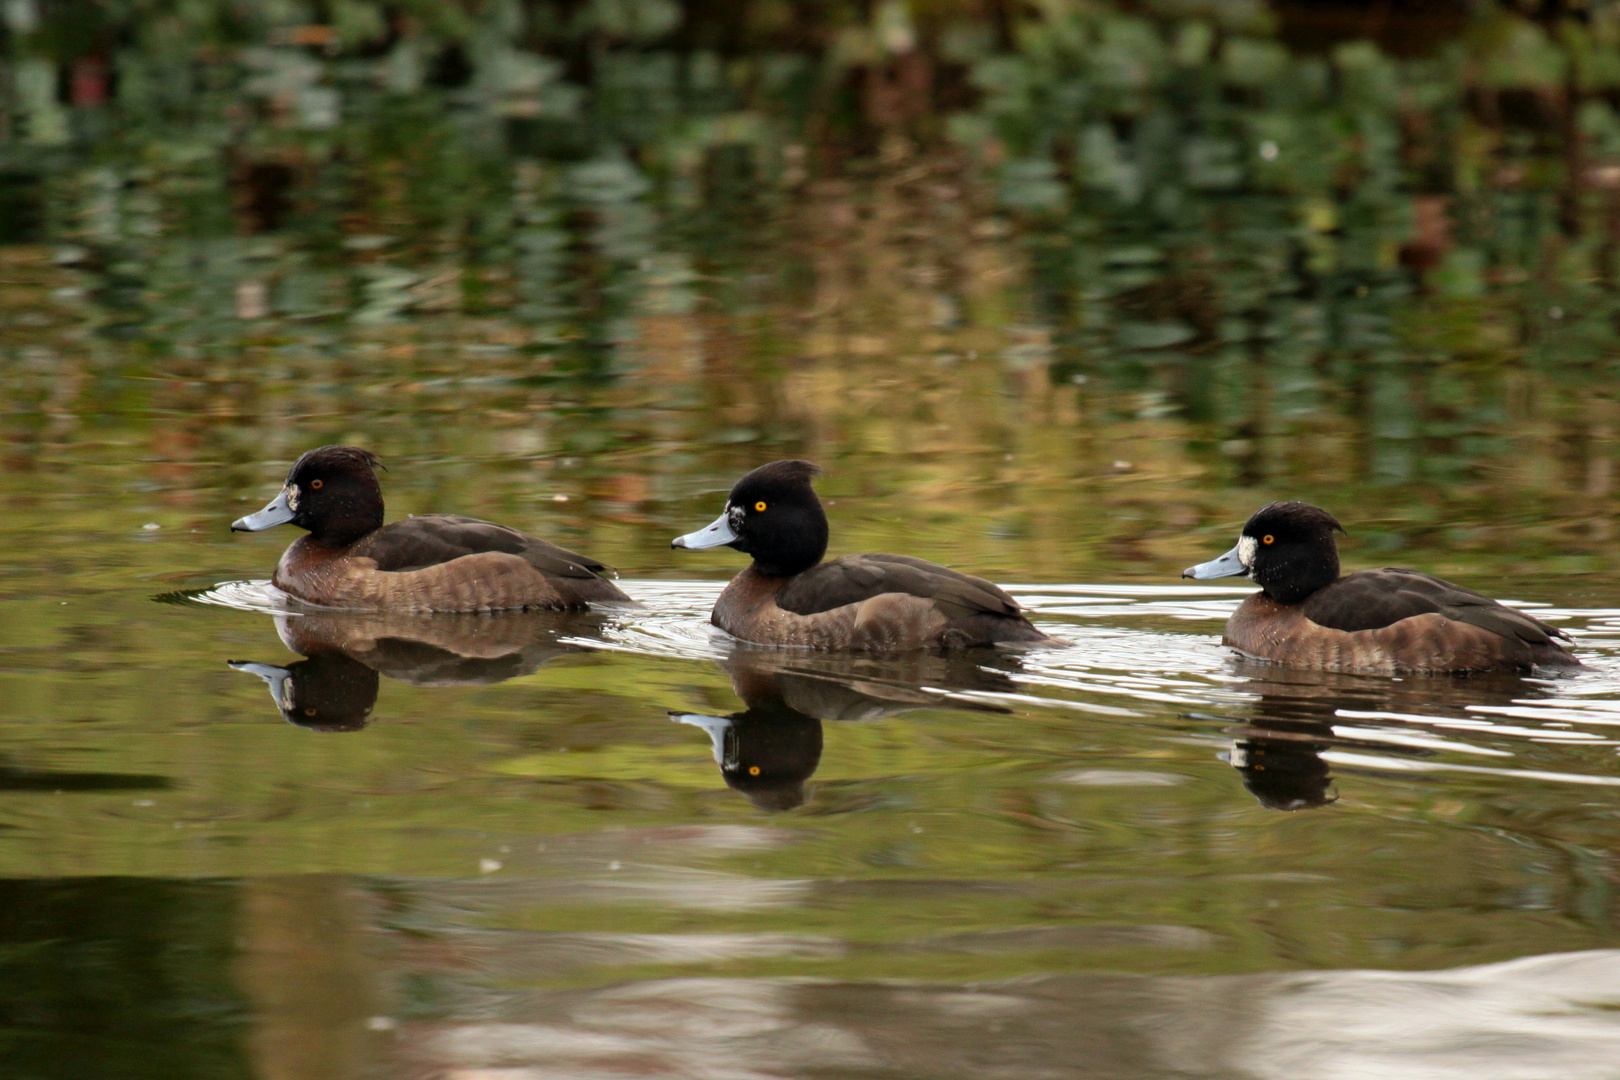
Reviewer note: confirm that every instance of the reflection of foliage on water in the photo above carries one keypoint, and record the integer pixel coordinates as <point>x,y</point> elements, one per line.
<point>1314,262</point>
<point>392,161</point>
<point>1271,241</point>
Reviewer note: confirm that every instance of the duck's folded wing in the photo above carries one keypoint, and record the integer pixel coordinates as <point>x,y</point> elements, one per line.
<point>1373,599</point>
<point>435,539</point>
<point>854,578</point>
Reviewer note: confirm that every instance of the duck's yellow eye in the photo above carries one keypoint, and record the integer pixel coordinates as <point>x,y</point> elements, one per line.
<point>309,712</point>
<point>1267,539</point>
<point>316,484</point>
<point>759,507</point>
<point>753,770</point>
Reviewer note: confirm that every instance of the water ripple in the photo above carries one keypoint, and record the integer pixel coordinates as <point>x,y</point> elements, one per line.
<point>1131,655</point>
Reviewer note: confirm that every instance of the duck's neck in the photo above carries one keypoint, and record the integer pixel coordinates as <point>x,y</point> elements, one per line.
<point>780,570</point>
<point>1296,577</point>
<point>344,522</point>
<point>791,542</point>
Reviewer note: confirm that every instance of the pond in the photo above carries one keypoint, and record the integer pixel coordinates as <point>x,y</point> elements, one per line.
<point>1115,282</point>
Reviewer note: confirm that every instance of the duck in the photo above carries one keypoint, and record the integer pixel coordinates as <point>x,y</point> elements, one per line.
<point>868,603</point>
<point>1388,621</point>
<point>434,563</point>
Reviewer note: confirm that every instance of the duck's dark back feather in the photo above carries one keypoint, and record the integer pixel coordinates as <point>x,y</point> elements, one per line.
<point>1374,599</point>
<point>855,578</point>
<point>433,539</point>
<point>872,603</point>
<point>443,563</point>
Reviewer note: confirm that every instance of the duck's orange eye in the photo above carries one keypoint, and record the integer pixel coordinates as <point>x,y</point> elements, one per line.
<point>1267,539</point>
<point>753,770</point>
<point>309,712</point>
<point>759,507</point>
<point>316,484</point>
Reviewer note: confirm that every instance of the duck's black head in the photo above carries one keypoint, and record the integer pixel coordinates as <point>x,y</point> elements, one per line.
<point>332,492</point>
<point>767,752</point>
<point>1284,774</point>
<point>325,692</point>
<point>775,751</point>
<point>1287,548</point>
<point>772,514</point>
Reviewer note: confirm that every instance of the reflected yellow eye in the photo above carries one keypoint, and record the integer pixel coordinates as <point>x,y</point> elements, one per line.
<point>1267,539</point>
<point>759,507</point>
<point>753,770</point>
<point>316,484</point>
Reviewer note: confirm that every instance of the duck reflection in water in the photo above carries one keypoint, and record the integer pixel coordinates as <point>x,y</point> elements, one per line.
<point>770,749</point>
<point>1296,718</point>
<point>334,688</point>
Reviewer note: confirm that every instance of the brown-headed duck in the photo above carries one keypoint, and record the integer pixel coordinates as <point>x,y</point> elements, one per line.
<point>875,603</point>
<point>437,562</point>
<point>1385,621</point>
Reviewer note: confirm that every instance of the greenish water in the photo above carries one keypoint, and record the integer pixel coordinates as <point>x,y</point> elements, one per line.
<point>1058,299</point>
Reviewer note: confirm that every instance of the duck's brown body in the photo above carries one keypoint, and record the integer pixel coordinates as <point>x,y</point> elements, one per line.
<point>1385,621</point>
<point>418,565</point>
<point>871,603</point>
<point>1265,629</point>
<point>438,562</point>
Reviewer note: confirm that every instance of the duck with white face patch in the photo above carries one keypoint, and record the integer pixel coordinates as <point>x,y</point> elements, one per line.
<point>871,603</point>
<point>1384,621</point>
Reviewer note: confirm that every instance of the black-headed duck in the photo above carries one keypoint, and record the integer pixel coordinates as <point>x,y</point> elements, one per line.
<point>1385,621</point>
<point>876,603</point>
<point>437,562</point>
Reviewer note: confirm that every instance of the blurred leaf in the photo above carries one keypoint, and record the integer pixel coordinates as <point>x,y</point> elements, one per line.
<point>1250,62</point>
<point>1031,184</point>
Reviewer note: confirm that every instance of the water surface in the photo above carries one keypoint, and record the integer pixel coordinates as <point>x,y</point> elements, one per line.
<point>580,841</point>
